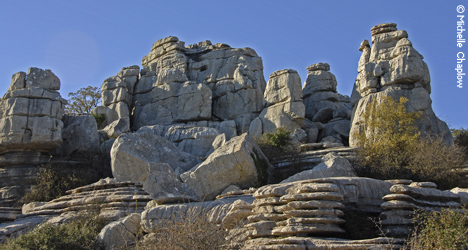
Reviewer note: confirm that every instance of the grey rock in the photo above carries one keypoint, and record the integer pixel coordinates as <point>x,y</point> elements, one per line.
<point>332,166</point>
<point>132,152</point>
<point>238,162</point>
<point>164,185</point>
<point>79,135</point>
<point>120,233</point>
<point>117,128</point>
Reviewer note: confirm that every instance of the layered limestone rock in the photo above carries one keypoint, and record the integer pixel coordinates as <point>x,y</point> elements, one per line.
<point>232,75</point>
<point>117,94</point>
<point>329,111</point>
<point>112,198</point>
<point>392,67</point>
<point>402,204</point>
<point>30,127</point>
<point>283,104</point>
<point>31,112</point>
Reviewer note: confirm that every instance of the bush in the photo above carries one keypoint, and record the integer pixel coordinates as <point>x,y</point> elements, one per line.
<point>54,179</point>
<point>394,150</point>
<point>447,229</point>
<point>461,138</point>
<point>277,145</point>
<point>77,235</point>
<point>191,231</point>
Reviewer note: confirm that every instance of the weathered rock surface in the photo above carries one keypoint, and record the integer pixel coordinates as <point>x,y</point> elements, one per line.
<point>283,103</point>
<point>114,200</point>
<point>119,234</point>
<point>31,112</point>
<point>392,67</point>
<point>232,75</point>
<point>79,135</point>
<point>238,162</point>
<point>117,94</point>
<point>164,185</point>
<point>400,206</point>
<point>132,154</point>
<point>332,165</point>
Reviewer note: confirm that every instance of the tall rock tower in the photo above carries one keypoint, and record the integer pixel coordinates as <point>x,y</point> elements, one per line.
<point>392,67</point>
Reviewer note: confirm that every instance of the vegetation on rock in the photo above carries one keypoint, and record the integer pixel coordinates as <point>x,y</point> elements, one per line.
<point>392,148</point>
<point>447,229</point>
<point>83,101</point>
<point>78,234</point>
<point>277,145</point>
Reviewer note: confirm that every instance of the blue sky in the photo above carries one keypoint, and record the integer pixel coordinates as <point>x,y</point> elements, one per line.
<point>85,42</point>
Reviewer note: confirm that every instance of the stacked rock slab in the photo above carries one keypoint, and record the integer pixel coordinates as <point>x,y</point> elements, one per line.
<point>401,206</point>
<point>111,198</point>
<point>392,67</point>
<point>30,127</point>
<point>329,111</point>
<point>117,95</point>
<point>307,208</point>
<point>283,104</point>
<point>232,75</point>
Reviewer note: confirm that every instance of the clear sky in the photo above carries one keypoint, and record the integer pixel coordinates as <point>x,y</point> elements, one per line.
<point>85,42</point>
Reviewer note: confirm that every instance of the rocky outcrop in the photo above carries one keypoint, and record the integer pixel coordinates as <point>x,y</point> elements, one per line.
<point>392,67</point>
<point>133,153</point>
<point>402,204</point>
<point>30,130</point>
<point>238,162</point>
<point>112,200</point>
<point>31,112</point>
<point>119,234</point>
<point>174,73</point>
<point>329,111</point>
<point>79,135</point>
<point>332,165</point>
<point>283,104</point>
<point>117,94</point>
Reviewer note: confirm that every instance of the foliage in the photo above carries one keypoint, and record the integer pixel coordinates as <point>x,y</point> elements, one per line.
<point>393,149</point>
<point>277,145</point>
<point>83,101</point>
<point>79,234</point>
<point>447,229</point>
<point>99,119</point>
<point>390,134</point>
<point>190,231</point>
<point>54,179</point>
<point>461,138</point>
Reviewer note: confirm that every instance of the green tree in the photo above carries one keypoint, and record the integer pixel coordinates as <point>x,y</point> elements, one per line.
<point>83,101</point>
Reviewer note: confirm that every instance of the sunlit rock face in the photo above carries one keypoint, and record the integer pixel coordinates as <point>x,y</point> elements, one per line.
<point>392,67</point>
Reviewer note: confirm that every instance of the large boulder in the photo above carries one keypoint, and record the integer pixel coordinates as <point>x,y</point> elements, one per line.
<point>283,101</point>
<point>31,112</point>
<point>238,162</point>
<point>392,67</point>
<point>132,154</point>
<point>79,135</point>
<point>121,233</point>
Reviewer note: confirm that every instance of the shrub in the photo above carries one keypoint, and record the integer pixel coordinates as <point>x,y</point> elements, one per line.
<point>77,235</point>
<point>447,229</point>
<point>191,231</point>
<point>277,145</point>
<point>99,119</point>
<point>391,147</point>
<point>54,179</point>
<point>461,138</point>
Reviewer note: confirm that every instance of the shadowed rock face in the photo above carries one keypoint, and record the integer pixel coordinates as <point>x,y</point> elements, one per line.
<point>392,67</point>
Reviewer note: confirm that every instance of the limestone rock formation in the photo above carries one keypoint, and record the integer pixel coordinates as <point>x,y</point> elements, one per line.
<point>31,112</point>
<point>114,200</point>
<point>238,162</point>
<point>324,105</point>
<point>79,135</point>
<point>118,234</point>
<point>392,67</point>
<point>332,165</point>
<point>133,153</point>
<point>400,206</point>
<point>283,103</point>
